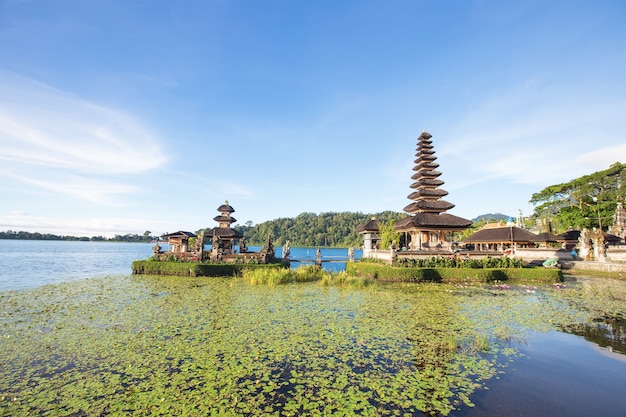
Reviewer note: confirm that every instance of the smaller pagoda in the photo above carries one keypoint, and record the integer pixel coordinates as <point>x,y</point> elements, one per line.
<point>224,238</point>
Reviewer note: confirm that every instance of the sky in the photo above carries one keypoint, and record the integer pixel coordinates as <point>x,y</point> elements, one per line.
<point>122,116</point>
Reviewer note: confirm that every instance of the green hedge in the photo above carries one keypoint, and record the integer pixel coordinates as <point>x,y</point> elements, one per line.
<point>400,274</point>
<point>195,269</point>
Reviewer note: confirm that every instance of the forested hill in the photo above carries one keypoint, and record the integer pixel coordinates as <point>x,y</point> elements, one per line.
<point>315,230</point>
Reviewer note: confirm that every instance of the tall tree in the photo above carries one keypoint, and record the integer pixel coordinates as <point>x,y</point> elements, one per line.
<point>588,201</point>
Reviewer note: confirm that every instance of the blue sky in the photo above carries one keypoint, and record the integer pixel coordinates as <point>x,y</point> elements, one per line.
<point>124,116</point>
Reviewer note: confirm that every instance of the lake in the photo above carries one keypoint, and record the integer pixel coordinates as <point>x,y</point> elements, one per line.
<point>80,336</point>
<point>31,263</point>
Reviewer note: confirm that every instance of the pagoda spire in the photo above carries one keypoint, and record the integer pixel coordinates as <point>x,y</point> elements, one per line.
<point>427,195</point>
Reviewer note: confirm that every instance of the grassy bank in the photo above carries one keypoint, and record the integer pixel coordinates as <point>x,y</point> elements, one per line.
<point>603,274</point>
<point>196,269</point>
<point>485,275</point>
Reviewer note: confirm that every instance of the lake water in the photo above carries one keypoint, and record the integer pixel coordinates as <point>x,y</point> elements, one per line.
<point>573,367</point>
<point>31,263</point>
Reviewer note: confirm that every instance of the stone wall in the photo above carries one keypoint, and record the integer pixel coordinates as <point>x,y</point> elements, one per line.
<point>541,254</point>
<point>595,266</point>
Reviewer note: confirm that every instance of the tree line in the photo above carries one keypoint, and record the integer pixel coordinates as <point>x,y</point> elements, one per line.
<point>315,230</point>
<point>21,235</point>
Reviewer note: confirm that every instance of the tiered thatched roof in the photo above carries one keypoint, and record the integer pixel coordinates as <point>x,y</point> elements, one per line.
<point>225,220</point>
<point>427,209</point>
<point>370,227</point>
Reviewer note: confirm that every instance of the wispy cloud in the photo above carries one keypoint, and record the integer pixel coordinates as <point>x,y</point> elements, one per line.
<point>81,226</point>
<point>44,131</point>
<point>531,137</point>
<point>88,189</point>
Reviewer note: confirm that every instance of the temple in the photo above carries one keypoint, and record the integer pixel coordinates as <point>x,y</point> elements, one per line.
<point>227,244</point>
<point>223,235</point>
<point>428,224</point>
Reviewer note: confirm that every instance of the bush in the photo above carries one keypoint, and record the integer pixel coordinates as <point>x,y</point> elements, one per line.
<point>453,262</point>
<point>452,274</point>
<point>195,269</point>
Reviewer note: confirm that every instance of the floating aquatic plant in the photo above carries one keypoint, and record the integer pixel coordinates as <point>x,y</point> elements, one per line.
<point>157,345</point>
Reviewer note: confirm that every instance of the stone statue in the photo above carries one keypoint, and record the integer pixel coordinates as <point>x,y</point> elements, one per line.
<point>267,250</point>
<point>585,244</point>
<point>351,254</point>
<point>200,242</point>
<point>242,245</point>
<point>286,250</point>
<point>599,248</point>
<point>156,249</point>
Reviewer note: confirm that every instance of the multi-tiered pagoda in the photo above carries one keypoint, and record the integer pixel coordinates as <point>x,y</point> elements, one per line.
<point>223,237</point>
<point>428,224</point>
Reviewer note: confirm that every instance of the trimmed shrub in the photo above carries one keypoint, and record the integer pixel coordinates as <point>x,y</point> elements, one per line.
<point>455,274</point>
<point>195,269</point>
<point>453,262</point>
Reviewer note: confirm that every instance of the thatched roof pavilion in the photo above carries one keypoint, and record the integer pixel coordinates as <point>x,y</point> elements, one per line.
<point>427,225</point>
<point>545,238</point>
<point>178,241</point>
<point>500,238</point>
<point>369,231</point>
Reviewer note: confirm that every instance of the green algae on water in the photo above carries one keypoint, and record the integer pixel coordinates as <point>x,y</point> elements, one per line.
<point>165,346</point>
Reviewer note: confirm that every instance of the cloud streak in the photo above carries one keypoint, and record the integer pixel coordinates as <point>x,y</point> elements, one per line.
<point>45,130</point>
<point>81,226</point>
<point>549,142</point>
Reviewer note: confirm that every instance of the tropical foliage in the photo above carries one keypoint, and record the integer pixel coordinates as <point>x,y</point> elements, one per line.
<point>388,235</point>
<point>588,201</point>
<point>314,230</point>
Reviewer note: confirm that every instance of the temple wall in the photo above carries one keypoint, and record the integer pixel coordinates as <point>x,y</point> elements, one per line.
<point>383,255</point>
<point>616,255</point>
<point>541,254</point>
<point>595,266</point>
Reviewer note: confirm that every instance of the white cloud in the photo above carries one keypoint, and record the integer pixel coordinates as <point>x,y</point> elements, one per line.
<point>603,158</point>
<point>539,136</point>
<point>80,226</point>
<point>55,141</point>
<point>88,189</point>
<point>44,127</point>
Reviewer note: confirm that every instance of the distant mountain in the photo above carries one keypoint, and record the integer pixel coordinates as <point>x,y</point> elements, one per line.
<point>491,217</point>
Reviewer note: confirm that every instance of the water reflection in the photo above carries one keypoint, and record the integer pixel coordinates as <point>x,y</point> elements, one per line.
<point>606,333</point>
